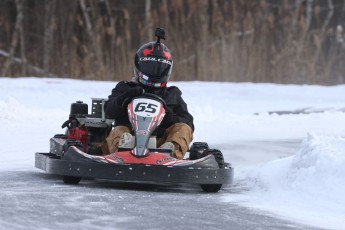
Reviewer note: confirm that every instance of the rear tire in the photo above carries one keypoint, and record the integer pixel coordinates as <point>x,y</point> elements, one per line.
<point>197,149</point>
<point>71,179</point>
<point>218,155</point>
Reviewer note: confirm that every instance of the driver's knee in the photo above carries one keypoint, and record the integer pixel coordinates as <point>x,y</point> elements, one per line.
<point>114,137</point>
<point>181,135</point>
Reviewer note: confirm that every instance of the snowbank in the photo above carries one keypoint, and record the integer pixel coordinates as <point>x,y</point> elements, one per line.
<point>308,187</point>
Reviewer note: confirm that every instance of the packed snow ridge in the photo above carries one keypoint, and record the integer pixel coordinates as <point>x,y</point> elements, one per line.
<point>308,186</point>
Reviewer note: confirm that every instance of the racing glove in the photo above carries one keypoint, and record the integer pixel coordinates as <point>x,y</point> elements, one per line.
<point>127,96</point>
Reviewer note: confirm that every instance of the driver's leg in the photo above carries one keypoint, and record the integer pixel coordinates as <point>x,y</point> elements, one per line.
<point>114,137</point>
<point>181,135</point>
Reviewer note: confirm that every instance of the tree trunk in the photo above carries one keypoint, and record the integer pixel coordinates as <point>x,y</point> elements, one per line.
<point>19,5</point>
<point>95,48</point>
<point>18,28</point>
<point>110,66</point>
<point>309,13</point>
<point>148,20</point>
<point>48,33</point>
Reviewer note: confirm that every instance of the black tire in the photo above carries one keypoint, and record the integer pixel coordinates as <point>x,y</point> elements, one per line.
<point>218,155</point>
<point>197,149</point>
<point>211,188</point>
<point>71,179</point>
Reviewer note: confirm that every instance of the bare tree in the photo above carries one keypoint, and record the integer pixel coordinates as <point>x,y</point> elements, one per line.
<point>289,41</point>
<point>148,19</point>
<point>309,12</point>
<point>329,15</point>
<point>96,50</point>
<point>18,30</point>
<point>48,33</point>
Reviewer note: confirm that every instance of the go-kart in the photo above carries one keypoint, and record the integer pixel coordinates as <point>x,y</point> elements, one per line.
<point>77,154</point>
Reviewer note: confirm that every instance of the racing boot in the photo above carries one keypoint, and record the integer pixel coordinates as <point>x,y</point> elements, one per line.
<point>127,141</point>
<point>168,145</point>
<point>113,139</point>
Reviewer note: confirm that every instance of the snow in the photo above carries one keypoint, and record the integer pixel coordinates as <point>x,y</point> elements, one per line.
<point>305,185</point>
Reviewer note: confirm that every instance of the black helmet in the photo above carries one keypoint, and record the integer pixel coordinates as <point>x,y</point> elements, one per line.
<point>153,63</point>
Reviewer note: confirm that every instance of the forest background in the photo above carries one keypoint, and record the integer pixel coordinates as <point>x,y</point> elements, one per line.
<point>278,41</point>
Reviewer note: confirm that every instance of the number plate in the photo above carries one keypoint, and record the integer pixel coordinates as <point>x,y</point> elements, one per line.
<point>146,107</point>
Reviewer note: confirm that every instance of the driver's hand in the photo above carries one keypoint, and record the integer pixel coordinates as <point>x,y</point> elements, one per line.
<point>133,92</point>
<point>127,96</point>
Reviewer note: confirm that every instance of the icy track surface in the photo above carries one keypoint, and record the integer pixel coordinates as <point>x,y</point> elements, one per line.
<point>289,169</point>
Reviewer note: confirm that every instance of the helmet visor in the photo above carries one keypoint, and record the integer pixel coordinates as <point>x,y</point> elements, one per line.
<point>143,79</point>
<point>158,69</point>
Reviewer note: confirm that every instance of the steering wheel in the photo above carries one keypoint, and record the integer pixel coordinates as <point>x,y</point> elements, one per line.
<point>145,95</point>
<point>155,97</point>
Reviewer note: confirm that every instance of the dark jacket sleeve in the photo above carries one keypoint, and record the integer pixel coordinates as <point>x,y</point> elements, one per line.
<point>113,107</point>
<point>179,108</point>
<point>182,112</point>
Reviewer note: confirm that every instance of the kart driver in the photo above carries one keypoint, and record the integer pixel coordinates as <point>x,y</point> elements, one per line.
<point>152,69</point>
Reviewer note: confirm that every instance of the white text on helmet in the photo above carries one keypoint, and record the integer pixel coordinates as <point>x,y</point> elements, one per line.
<point>155,59</point>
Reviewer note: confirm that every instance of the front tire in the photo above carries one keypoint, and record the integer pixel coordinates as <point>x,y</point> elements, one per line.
<point>71,179</point>
<point>218,155</point>
<point>211,188</point>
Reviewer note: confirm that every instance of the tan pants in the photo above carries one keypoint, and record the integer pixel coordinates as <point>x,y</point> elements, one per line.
<point>179,134</point>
